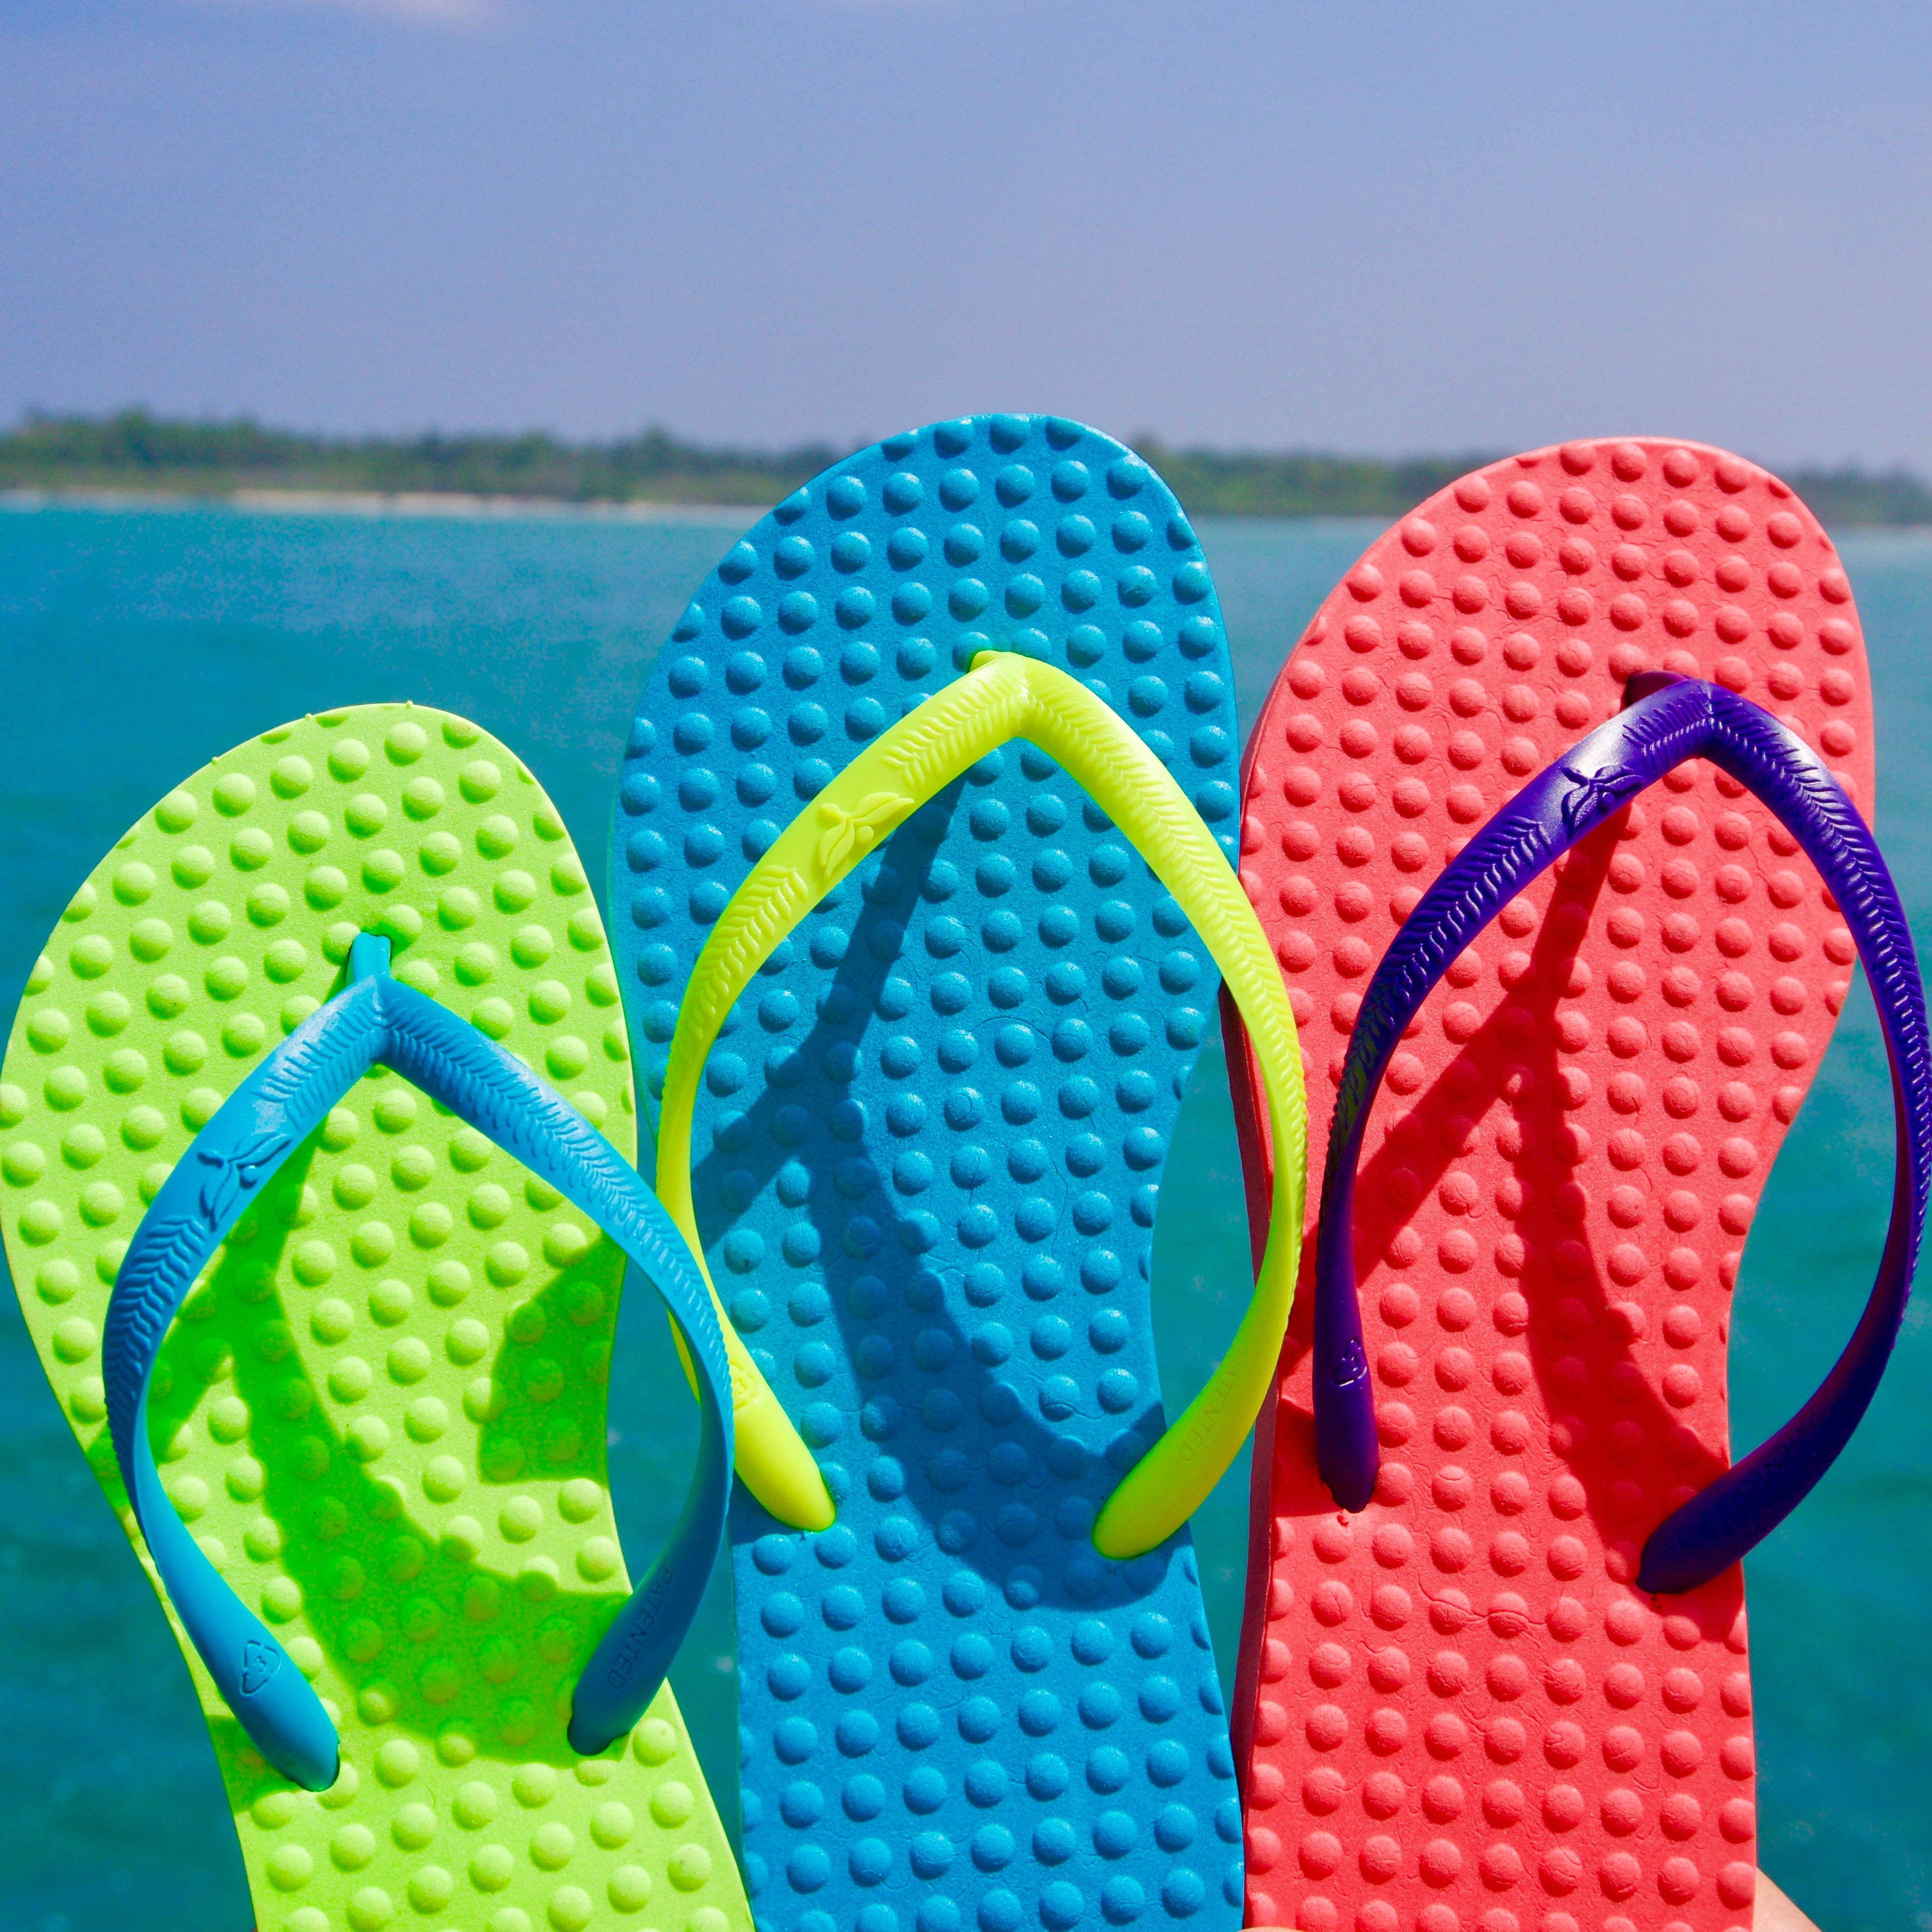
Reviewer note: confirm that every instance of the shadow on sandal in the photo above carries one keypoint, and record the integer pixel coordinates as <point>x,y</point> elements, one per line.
<point>1607,1412</point>
<point>438,1646</point>
<point>1015,1498</point>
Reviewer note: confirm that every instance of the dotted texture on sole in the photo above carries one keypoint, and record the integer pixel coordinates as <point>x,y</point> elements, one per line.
<point>381,1409</point>
<point>928,1153</point>
<point>1458,1709</point>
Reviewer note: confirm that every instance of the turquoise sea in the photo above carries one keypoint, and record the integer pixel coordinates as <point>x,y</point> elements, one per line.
<point>135,644</point>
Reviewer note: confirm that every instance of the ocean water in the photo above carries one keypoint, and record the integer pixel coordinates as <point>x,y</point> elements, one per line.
<point>136,644</point>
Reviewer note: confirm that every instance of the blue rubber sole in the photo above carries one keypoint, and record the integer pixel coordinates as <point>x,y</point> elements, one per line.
<point>928,1156</point>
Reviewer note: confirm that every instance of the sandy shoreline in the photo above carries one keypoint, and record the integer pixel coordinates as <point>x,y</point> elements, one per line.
<point>373,503</point>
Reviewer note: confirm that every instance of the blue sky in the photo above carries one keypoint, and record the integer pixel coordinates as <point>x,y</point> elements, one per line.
<point>1374,227</point>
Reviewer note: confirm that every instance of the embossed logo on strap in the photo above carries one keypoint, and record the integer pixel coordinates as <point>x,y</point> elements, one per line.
<point>259,1662</point>
<point>860,828</point>
<point>1351,1366</point>
<point>238,1173</point>
<point>1597,794</point>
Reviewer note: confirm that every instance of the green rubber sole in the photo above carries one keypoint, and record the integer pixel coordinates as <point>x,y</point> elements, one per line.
<point>381,1410</point>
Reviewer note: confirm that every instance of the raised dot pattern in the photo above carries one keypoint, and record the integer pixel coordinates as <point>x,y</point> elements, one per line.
<point>929,1147</point>
<point>381,1410</point>
<point>1460,1705</point>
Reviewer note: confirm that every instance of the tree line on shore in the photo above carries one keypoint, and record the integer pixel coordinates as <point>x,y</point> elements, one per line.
<point>132,450</point>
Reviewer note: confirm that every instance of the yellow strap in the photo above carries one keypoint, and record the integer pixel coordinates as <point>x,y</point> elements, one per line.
<point>1005,697</point>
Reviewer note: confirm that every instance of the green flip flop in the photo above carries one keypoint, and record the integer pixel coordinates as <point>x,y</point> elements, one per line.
<point>355,1361</point>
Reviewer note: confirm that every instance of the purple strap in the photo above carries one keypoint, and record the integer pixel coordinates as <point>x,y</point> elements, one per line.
<point>1665,720</point>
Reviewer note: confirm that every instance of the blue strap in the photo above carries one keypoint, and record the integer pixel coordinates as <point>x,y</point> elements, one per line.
<point>376,1019</point>
<point>1667,719</point>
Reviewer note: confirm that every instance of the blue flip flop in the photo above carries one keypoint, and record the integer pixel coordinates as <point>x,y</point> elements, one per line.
<point>923,1162</point>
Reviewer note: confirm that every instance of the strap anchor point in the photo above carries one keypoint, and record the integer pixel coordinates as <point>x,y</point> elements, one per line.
<point>368,956</point>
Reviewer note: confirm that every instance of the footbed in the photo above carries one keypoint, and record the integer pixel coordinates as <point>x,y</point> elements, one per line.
<point>928,1158</point>
<point>381,1411</point>
<point>1455,1709</point>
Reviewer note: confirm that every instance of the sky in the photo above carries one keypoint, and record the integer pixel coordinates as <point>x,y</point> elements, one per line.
<point>1448,226</point>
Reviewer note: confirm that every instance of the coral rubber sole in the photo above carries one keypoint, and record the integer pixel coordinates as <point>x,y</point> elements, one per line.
<point>1456,1711</point>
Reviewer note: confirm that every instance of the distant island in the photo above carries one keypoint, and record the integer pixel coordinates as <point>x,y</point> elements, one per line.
<point>134,452</point>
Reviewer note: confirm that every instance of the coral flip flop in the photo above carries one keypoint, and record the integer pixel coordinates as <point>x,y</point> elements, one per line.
<point>956,999</point>
<point>365,1322</point>
<point>1495,1667</point>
